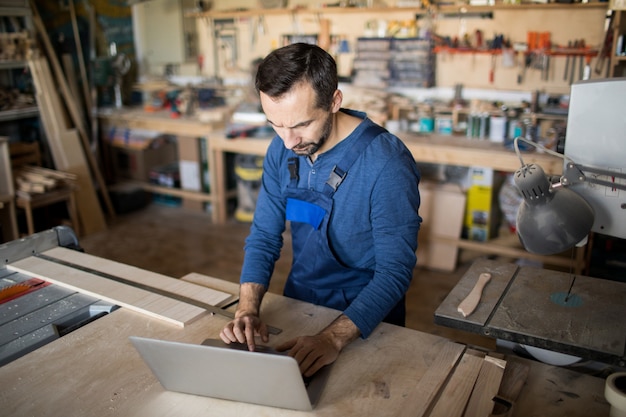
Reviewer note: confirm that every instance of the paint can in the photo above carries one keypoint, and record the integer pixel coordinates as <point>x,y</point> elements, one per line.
<point>444,125</point>
<point>427,124</point>
<point>497,128</point>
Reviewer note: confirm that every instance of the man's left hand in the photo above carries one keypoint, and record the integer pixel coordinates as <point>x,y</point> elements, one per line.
<point>311,352</point>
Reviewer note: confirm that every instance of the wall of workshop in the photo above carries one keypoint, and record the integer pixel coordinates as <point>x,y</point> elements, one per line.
<point>256,37</point>
<point>473,70</point>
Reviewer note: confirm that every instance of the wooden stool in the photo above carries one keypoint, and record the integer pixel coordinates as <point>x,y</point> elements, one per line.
<point>29,202</point>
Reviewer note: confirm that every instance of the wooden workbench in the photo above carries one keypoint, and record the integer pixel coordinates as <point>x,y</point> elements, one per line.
<point>185,128</point>
<point>95,371</point>
<point>434,149</point>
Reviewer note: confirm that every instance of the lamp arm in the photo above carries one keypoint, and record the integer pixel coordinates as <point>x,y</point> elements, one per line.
<point>575,173</point>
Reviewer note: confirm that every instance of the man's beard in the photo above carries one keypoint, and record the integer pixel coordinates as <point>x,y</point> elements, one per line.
<point>310,148</point>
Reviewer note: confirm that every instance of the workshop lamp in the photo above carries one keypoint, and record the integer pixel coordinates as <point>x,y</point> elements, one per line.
<point>553,218</point>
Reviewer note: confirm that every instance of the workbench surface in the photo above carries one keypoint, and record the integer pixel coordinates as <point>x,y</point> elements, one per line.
<point>95,371</point>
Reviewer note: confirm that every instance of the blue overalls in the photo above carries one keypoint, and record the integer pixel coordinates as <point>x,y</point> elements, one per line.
<point>317,276</point>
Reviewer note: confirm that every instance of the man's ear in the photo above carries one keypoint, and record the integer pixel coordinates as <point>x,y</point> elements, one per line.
<point>337,100</point>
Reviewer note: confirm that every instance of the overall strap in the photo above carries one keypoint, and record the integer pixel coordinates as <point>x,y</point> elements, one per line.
<point>293,164</point>
<point>339,171</point>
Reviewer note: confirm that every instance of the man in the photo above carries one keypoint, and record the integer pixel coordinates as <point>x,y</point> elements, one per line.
<point>349,189</point>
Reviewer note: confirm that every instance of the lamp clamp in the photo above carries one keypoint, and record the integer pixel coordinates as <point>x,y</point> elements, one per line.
<point>574,173</point>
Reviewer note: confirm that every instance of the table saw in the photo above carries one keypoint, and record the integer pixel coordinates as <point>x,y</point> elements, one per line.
<point>34,312</point>
<point>94,369</point>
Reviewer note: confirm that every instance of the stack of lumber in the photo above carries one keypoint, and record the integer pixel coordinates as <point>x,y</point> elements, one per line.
<point>464,382</point>
<point>66,133</point>
<point>36,180</point>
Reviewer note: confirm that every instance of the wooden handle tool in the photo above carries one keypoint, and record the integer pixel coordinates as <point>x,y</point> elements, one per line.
<point>469,304</point>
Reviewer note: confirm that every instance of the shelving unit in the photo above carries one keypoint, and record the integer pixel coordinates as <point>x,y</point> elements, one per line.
<point>447,9</point>
<point>12,17</point>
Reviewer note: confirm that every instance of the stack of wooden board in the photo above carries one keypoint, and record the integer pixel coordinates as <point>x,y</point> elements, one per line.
<point>84,277</point>
<point>37,180</point>
<point>66,132</point>
<point>469,383</point>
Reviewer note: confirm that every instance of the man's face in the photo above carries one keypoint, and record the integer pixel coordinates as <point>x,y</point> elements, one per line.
<point>302,126</point>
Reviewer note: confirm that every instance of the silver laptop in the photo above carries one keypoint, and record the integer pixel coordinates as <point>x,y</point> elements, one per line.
<point>231,372</point>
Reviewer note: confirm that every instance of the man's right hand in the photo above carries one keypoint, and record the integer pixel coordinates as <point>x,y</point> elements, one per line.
<point>247,323</point>
<point>243,329</point>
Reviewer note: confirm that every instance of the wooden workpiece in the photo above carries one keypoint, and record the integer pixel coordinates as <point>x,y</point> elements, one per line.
<point>396,371</point>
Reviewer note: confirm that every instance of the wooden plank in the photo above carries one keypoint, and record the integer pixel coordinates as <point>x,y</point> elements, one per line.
<point>140,276</point>
<point>72,82</point>
<point>81,59</point>
<point>487,385</point>
<point>455,395</point>
<point>89,211</point>
<point>513,380</point>
<point>142,301</point>
<point>66,149</point>
<point>216,284</point>
<point>429,385</point>
<point>72,108</point>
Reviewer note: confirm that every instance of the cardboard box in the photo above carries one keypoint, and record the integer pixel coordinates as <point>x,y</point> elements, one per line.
<point>617,5</point>
<point>482,214</point>
<point>189,156</point>
<point>136,164</point>
<point>442,209</point>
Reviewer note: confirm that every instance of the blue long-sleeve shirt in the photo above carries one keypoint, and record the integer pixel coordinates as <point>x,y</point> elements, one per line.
<point>374,222</point>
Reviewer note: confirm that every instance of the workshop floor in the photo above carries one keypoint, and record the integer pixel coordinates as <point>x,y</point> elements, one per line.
<point>177,241</point>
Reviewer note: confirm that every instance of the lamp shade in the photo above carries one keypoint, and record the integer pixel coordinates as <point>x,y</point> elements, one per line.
<point>550,219</point>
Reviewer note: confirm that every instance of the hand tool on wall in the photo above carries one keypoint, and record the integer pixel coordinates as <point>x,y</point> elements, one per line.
<point>521,49</point>
<point>580,60</point>
<point>587,73</point>
<point>469,304</point>
<point>492,70</point>
<point>567,59</point>
<point>544,46</point>
<point>573,70</point>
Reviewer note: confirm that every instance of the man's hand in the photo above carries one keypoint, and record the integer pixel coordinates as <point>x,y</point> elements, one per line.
<point>247,323</point>
<point>243,330</point>
<point>314,352</point>
<point>311,352</point>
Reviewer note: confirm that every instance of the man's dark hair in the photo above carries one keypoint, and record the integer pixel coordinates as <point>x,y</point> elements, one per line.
<point>287,66</point>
